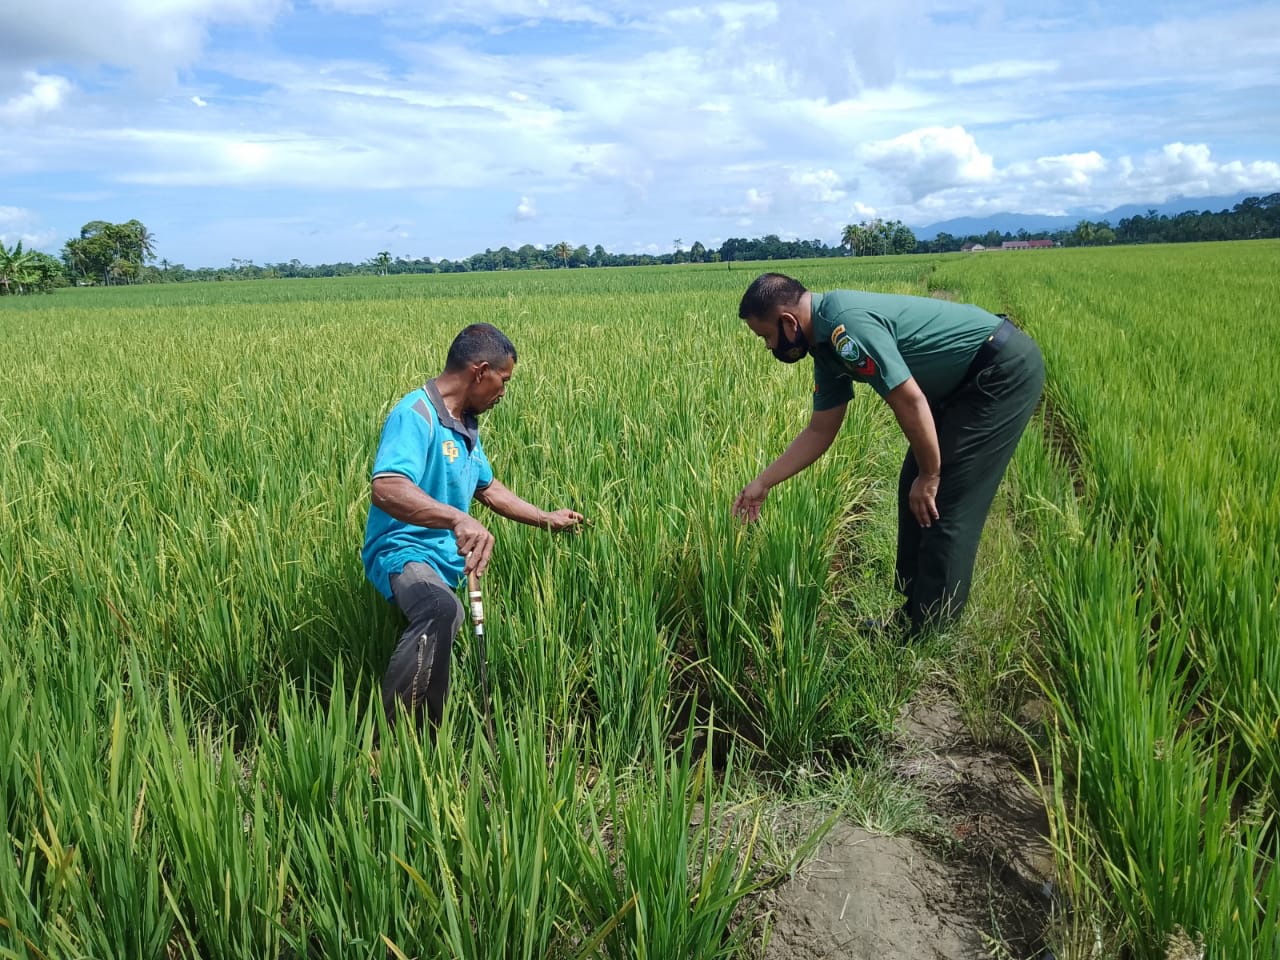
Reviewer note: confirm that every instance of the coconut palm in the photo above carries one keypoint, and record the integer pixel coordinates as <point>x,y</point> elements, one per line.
<point>562,251</point>
<point>139,240</point>
<point>849,238</point>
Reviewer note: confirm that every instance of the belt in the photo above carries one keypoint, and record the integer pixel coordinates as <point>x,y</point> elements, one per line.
<point>990,347</point>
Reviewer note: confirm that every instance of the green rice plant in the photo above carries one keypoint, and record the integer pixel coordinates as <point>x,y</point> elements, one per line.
<point>630,666</point>
<point>119,907</point>
<point>492,846</point>
<point>230,843</point>
<point>1160,574</point>
<point>685,862</point>
<point>1144,779</point>
<point>30,881</point>
<point>350,894</point>
<point>86,862</point>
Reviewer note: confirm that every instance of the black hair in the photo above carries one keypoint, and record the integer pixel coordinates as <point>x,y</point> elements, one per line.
<point>479,343</point>
<point>767,291</point>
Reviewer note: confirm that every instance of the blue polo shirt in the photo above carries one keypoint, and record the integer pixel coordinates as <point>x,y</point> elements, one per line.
<point>421,440</point>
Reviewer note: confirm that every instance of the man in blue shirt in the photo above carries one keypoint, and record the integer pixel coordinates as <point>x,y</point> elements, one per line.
<point>420,541</point>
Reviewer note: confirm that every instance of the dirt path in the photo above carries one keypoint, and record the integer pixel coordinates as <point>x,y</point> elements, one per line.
<point>897,898</point>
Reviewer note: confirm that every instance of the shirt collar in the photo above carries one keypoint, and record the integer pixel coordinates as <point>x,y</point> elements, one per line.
<point>468,427</point>
<point>815,307</point>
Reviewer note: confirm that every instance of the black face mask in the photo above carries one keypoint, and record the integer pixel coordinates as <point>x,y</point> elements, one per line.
<point>791,351</point>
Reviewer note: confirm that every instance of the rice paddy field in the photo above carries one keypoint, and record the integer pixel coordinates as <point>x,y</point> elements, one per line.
<point>188,645</point>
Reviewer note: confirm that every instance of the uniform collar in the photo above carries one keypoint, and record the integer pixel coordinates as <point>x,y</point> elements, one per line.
<point>468,427</point>
<point>815,307</point>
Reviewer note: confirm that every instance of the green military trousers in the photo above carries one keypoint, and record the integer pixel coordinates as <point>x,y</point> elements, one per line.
<point>978,428</point>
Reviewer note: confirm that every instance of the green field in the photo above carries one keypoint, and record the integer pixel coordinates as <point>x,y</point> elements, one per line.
<point>188,640</point>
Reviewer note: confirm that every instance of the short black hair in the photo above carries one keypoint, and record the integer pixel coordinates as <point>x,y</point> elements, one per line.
<point>767,291</point>
<point>479,343</point>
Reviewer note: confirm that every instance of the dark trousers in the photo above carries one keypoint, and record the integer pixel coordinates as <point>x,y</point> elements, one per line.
<point>418,674</point>
<point>978,428</point>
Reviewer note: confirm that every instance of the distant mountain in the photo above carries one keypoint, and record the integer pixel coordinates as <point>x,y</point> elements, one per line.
<point>1036,223</point>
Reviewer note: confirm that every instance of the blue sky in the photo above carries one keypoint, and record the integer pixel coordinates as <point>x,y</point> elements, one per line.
<point>332,129</point>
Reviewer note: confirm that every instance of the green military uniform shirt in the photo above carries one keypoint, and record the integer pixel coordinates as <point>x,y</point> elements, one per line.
<point>881,339</point>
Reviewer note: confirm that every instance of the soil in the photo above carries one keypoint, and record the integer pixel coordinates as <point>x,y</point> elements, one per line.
<point>988,881</point>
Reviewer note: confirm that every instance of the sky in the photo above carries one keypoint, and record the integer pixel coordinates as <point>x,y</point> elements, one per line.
<point>331,130</point>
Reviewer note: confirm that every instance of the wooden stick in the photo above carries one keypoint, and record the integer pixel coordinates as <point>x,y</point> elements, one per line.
<point>477,622</point>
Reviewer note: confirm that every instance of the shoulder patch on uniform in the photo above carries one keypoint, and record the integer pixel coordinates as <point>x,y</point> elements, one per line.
<point>844,344</point>
<point>859,361</point>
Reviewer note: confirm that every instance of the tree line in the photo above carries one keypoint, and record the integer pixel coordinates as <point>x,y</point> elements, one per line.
<point>122,253</point>
<point>1254,218</point>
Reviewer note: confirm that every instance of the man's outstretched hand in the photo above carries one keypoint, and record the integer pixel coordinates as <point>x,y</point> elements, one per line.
<point>563,520</point>
<point>746,506</point>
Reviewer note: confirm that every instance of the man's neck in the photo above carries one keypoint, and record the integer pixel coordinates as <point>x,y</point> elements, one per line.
<point>453,391</point>
<point>804,314</point>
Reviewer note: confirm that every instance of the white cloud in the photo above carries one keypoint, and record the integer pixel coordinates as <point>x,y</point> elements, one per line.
<point>45,94</point>
<point>1002,70</point>
<point>526,209</point>
<point>1074,173</point>
<point>759,201</point>
<point>1181,169</point>
<point>493,14</point>
<point>15,215</point>
<point>1091,181</point>
<point>832,50</point>
<point>19,225</point>
<point>44,240</point>
<point>754,202</point>
<point>934,158</point>
<point>821,186</point>
<point>143,35</point>
<point>199,101</point>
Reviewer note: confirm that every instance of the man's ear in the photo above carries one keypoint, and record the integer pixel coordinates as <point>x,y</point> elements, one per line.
<point>478,370</point>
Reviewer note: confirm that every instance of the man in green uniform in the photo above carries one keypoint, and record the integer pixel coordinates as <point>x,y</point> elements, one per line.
<point>962,384</point>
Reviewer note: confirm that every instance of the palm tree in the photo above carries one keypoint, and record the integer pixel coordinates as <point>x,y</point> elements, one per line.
<point>849,238</point>
<point>383,260</point>
<point>562,251</point>
<point>1085,233</point>
<point>141,240</point>
<point>76,257</point>
<point>123,270</point>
